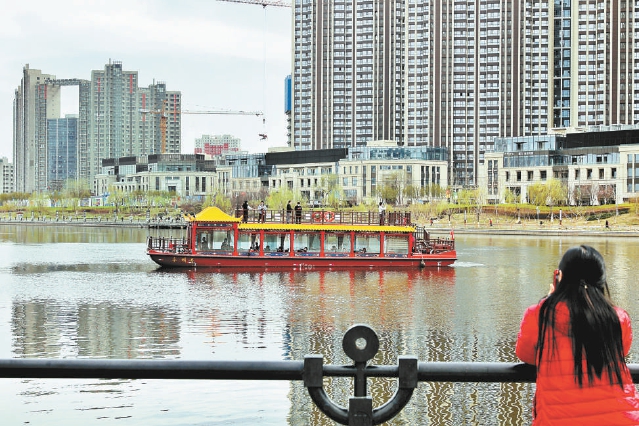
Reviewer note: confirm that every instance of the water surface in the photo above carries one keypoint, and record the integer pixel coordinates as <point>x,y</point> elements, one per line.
<point>70,292</point>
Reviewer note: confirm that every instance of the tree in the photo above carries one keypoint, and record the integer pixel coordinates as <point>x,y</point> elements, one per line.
<point>606,194</point>
<point>38,202</point>
<point>466,197</point>
<point>332,191</point>
<point>411,192</point>
<point>510,197</point>
<point>557,193</point>
<point>75,190</point>
<point>218,200</point>
<point>387,193</point>
<point>537,194</point>
<point>433,190</point>
<point>277,199</point>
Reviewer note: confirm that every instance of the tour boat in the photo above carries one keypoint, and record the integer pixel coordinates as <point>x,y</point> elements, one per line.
<point>313,239</point>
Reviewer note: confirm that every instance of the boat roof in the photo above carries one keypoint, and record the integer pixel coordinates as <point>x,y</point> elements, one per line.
<point>213,214</point>
<point>324,227</point>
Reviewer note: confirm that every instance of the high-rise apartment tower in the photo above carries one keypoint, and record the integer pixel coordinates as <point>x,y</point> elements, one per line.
<point>130,121</point>
<point>459,73</point>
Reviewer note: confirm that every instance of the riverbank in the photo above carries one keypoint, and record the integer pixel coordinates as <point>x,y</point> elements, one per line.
<point>614,227</point>
<point>98,222</point>
<point>529,228</point>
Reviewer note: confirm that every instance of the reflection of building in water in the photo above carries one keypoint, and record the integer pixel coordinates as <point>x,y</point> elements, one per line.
<point>38,329</point>
<point>112,331</point>
<point>418,313</point>
<point>102,330</point>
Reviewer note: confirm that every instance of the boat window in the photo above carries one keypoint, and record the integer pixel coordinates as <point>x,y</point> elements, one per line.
<point>248,241</point>
<point>307,242</point>
<point>337,243</point>
<point>216,240</point>
<point>367,243</point>
<point>276,242</point>
<point>396,244</point>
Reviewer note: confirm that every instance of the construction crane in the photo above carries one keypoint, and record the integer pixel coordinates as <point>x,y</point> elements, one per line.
<point>164,117</point>
<point>262,3</point>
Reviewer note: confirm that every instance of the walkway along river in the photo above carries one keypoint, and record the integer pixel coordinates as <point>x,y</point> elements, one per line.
<point>71,292</point>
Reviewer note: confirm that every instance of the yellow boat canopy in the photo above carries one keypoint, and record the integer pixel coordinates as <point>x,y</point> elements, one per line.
<point>213,214</point>
<point>324,227</point>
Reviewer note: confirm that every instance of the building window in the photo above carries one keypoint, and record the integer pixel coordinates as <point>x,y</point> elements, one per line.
<point>518,176</point>
<point>613,172</point>
<point>601,173</point>
<point>588,173</point>
<point>576,173</point>
<point>542,174</point>
<point>530,175</point>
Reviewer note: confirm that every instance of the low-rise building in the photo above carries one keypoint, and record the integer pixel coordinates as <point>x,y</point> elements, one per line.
<point>182,174</point>
<point>595,167</point>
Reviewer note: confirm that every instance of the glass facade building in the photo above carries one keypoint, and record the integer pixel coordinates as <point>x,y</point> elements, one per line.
<point>62,149</point>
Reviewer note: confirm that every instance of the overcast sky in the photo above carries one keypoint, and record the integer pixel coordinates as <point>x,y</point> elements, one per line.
<point>220,55</point>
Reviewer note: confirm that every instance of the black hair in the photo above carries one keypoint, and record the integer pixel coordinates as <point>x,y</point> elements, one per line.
<point>595,329</point>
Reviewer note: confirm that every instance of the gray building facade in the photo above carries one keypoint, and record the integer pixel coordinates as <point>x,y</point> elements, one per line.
<point>459,73</point>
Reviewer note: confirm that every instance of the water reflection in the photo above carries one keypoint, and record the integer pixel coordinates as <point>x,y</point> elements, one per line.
<point>87,293</point>
<point>47,329</point>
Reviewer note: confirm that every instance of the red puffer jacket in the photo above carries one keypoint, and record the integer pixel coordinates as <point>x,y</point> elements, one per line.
<point>558,399</point>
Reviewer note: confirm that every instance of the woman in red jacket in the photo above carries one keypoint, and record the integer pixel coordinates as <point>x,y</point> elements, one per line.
<point>578,341</point>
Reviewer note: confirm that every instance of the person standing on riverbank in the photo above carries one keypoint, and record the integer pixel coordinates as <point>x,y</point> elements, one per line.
<point>578,339</point>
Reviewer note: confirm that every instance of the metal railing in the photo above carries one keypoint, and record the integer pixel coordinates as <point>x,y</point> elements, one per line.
<point>360,343</point>
<point>326,217</point>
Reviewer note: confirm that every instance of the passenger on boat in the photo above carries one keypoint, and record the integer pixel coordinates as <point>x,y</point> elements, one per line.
<point>298,213</point>
<point>245,209</point>
<point>225,245</point>
<point>362,250</point>
<point>382,212</point>
<point>289,212</point>
<point>261,209</point>
<point>280,249</point>
<point>267,248</point>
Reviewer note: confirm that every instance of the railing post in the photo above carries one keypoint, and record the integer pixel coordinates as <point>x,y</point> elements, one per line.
<point>361,344</point>
<point>360,411</point>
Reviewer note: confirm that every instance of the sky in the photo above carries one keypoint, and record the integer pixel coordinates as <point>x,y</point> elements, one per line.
<point>221,55</point>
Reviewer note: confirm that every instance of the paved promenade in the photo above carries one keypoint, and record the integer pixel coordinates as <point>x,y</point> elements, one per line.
<point>546,229</point>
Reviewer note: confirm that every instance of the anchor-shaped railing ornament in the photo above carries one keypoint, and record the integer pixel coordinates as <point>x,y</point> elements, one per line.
<point>360,343</point>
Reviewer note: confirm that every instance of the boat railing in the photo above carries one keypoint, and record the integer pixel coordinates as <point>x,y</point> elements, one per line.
<point>328,217</point>
<point>168,244</point>
<point>425,243</point>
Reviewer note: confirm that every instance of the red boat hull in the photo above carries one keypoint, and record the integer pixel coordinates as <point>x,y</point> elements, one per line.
<point>300,262</point>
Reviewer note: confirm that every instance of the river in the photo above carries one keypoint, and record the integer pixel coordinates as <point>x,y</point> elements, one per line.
<point>75,292</point>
